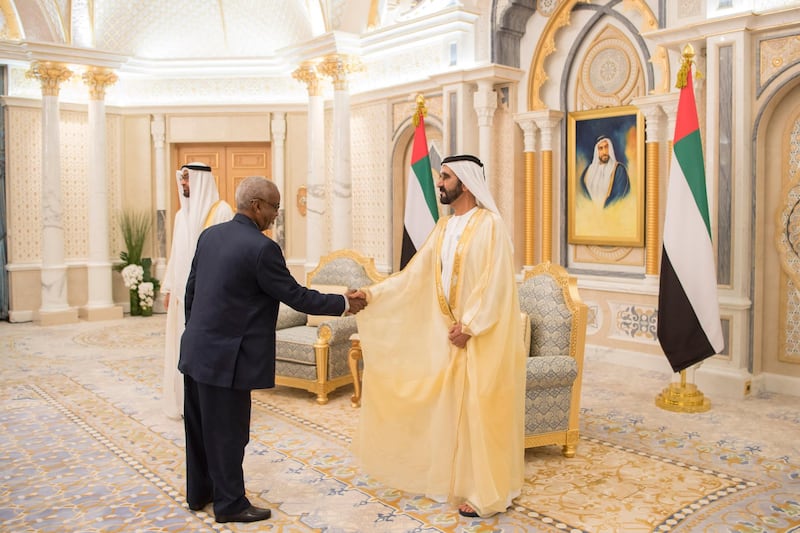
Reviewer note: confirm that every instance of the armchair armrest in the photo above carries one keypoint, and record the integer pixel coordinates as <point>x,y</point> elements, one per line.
<point>548,371</point>
<point>288,317</point>
<point>335,329</point>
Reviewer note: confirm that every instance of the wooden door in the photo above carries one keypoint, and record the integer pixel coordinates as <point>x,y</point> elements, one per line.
<point>230,163</point>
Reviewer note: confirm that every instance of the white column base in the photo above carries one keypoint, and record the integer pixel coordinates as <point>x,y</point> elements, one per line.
<point>20,316</point>
<point>55,318</point>
<point>93,314</point>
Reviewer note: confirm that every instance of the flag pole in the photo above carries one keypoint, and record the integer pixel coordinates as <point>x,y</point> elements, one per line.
<point>683,397</point>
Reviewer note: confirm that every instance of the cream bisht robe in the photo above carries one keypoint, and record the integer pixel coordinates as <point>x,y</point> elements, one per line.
<point>436,419</point>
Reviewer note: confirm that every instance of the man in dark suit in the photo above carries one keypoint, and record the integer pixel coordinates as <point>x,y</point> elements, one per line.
<point>237,280</point>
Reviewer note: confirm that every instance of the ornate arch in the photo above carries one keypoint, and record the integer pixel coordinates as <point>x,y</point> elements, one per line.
<point>561,17</point>
<point>508,27</point>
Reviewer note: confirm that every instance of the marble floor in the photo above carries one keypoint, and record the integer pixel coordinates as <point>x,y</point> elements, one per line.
<point>84,447</point>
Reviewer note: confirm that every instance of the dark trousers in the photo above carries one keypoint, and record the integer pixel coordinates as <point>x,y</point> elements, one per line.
<point>217,423</point>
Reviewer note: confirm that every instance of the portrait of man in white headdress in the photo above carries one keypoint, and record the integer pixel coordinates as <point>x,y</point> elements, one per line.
<point>605,191</point>
<point>605,180</point>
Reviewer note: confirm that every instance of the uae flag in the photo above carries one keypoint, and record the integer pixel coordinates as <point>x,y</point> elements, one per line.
<point>421,211</point>
<point>689,328</point>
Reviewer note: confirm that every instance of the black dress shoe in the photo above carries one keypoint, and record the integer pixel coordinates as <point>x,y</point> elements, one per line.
<point>251,514</point>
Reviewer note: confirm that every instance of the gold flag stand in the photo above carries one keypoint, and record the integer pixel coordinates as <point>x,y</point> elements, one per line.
<point>683,398</point>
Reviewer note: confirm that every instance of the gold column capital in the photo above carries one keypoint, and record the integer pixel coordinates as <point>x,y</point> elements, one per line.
<point>338,66</point>
<point>98,78</point>
<point>50,74</point>
<point>307,73</point>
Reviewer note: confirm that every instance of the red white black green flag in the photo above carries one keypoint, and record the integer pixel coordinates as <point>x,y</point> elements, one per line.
<point>421,211</point>
<point>689,328</point>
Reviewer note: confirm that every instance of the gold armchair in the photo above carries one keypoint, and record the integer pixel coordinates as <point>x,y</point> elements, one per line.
<point>311,353</point>
<point>556,318</point>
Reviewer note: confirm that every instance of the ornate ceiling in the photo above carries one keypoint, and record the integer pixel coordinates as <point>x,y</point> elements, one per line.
<point>243,50</point>
<point>193,29</point>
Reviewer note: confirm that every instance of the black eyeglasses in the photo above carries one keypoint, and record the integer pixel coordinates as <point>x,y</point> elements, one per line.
<point>276,207</point>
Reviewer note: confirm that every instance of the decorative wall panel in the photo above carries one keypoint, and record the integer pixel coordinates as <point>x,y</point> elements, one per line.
<point>776,55</point>
<point>372,212</point>
<point>74,189</point>
<point>400,68</point>
<point>633,322</point>
<point>502,178</point>
<point>610,73</point>
<point>689,8</point>
<point>114,173</point>
<point>788,246</point>
<point>401,113</point>
<point>25,184</point>
<point>24,167</point>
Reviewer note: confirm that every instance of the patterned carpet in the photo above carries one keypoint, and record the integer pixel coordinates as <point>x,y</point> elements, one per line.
<point>84,447</point>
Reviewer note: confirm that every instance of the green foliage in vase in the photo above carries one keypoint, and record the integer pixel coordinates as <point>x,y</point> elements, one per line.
<point>135,225</point>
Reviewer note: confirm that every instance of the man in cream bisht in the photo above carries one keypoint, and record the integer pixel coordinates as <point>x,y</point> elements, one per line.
<point>200,208</point>
<point>444,370</point>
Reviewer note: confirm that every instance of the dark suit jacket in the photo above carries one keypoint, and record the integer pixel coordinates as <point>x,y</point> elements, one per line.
<point>237,280</point>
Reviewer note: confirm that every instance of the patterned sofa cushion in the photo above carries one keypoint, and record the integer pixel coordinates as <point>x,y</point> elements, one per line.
<point>342,271</point>
<point>549,371</point>
<point>551,321</point>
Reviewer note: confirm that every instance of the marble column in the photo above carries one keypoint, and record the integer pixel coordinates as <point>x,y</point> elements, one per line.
<point>485,103</point>
<point>158,131</point>
<point>315,182</point>
<point>54,307</point>
<point>547,121</point>
<point>278,129</point>
<point>337,67</point>
<point>529,131</point>
<point>100,304</point>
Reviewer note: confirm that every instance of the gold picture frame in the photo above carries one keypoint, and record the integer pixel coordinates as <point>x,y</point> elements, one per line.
<point>605,177</point>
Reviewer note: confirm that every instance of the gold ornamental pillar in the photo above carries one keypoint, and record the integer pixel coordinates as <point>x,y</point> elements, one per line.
<point>547,121</point>
<point>54,306</point>
<point>529,130</point>
<point>655,134</point>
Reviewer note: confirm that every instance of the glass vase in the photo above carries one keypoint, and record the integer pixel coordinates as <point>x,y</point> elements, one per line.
<point>147,311</point>
<point>135,308</point>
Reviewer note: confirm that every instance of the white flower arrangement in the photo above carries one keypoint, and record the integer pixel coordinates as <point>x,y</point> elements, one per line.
<point>146,294</point>
<point>132,275</point>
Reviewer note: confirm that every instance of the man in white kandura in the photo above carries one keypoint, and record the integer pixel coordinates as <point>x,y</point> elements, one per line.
<point>605,180</point>
<point>444,370</point>
<point>200,208</point>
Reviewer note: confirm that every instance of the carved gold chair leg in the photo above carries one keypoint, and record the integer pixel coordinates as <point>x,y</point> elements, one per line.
<point>354,356</point>
<point>321,354</point>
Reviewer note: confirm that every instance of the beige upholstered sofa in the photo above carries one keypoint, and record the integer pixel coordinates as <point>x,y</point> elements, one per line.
<point>315,357</point>
<point>555,319</point>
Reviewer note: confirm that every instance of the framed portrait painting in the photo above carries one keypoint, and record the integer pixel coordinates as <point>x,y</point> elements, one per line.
<point>605,177</point>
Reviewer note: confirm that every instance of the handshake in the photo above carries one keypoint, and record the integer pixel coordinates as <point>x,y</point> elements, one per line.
<point>357,300</point>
